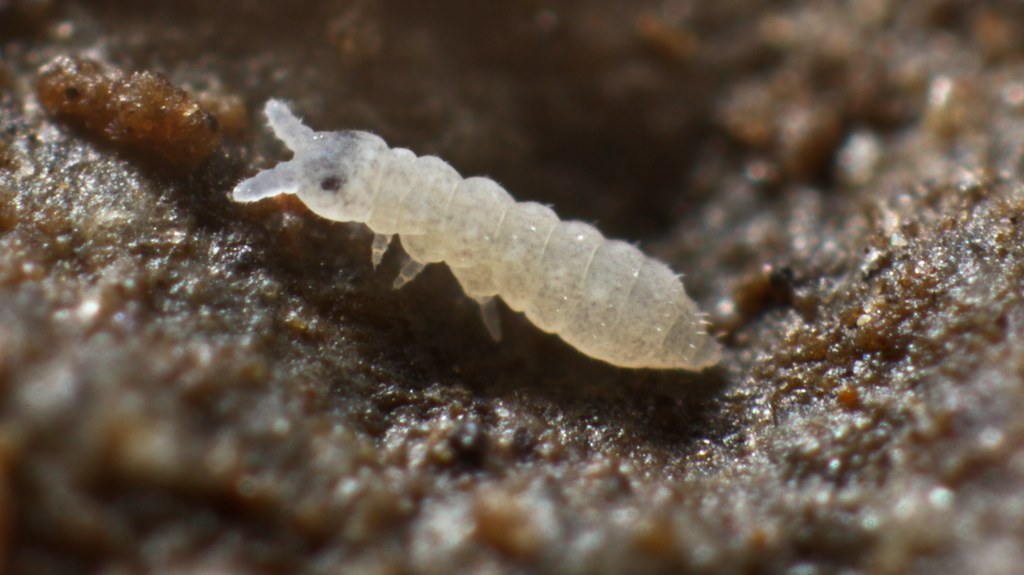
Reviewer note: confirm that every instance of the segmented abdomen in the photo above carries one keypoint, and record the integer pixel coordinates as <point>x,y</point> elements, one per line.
<point>603,296</point>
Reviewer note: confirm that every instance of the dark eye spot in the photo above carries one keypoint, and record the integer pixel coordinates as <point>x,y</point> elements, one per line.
<point>330,184</point>
<point>71,92</point>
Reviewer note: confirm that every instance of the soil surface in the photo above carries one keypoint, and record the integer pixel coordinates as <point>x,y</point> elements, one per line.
<point>189,385</point>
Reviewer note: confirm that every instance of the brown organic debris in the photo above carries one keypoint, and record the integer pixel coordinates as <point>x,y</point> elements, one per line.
<point>141,113</point>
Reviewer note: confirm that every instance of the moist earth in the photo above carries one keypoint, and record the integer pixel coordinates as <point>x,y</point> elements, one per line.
<point>189,385</point>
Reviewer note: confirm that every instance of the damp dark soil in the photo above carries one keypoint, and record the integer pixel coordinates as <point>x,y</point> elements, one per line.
<point>189,385</point>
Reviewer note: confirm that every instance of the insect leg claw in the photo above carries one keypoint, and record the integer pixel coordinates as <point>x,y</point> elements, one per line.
<point>380,246</point>
<point>411,269</point>
<point>489,313</point>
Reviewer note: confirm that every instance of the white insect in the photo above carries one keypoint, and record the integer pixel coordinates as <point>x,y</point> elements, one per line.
<point>605,297</point>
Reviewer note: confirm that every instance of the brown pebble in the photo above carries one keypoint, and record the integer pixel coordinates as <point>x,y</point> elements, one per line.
<point>141,114</point>
<point>768,287</point>
<point>848,397</point>
<point>807,137</point>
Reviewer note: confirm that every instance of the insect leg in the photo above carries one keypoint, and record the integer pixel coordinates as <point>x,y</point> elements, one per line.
<point>411,269</point>
<point>489,313</point>
<point>380,245</point>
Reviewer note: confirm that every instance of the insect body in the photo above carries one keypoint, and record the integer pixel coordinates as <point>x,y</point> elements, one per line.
<point>605,297</point>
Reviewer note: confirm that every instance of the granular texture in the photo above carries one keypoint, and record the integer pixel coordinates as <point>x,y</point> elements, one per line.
<point>141,114</point>
<point>187,386</point>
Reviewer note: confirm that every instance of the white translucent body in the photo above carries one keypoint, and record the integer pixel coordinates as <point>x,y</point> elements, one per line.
<point>605,297</point>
